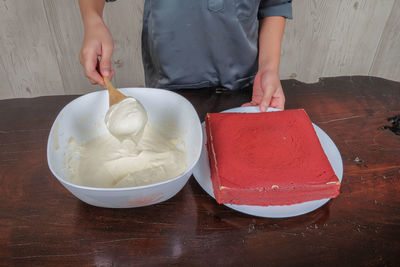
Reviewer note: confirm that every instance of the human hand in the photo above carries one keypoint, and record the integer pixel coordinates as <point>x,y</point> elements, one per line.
<point>267,91</point>
<point>97,42</point>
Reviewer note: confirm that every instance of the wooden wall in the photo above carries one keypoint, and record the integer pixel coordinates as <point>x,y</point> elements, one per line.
<point>40,41</point>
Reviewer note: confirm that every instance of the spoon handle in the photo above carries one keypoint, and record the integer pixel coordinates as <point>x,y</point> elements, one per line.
<point>115,96</point>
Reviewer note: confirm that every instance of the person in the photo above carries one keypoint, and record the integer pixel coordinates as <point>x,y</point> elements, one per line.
<point>199,43</point>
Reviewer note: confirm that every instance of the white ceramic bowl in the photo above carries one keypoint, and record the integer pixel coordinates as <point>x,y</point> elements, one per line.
<point>83,120</point>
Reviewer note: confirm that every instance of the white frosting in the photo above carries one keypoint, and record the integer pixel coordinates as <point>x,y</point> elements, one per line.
<point>126,119</point>
<point>134,154</point>
<point>107,162</point>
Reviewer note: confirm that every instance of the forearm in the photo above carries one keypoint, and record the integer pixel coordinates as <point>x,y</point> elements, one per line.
<point>98,46</point>
<point>91,11</point>
<point>270,39</point>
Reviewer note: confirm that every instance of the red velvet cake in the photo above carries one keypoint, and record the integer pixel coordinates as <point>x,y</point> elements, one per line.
<point>269,158</point>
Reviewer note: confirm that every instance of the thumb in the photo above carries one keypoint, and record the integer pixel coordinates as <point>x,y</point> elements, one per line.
<point>105,61</point>
<point>266,100</point>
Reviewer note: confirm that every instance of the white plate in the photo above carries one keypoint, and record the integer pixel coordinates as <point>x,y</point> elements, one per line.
<point>202,175</point>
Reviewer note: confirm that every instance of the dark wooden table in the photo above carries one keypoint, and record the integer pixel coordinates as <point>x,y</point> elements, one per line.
<point>42,223</point>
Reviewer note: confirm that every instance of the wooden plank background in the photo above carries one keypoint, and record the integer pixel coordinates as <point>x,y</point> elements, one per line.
<point>40,41</point>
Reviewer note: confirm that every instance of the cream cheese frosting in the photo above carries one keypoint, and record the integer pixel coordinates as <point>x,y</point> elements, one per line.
<point>126,119</point>
<point>107,162</point>
<point>134,154</point>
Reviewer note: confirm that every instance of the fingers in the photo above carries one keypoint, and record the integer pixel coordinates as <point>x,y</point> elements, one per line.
<point>257,92</point>
<point>91,71</point>
<point>89,62</point>
<point>105,61</point>
<point>266,99</point>
<point>112,74</point>
<point>278,102</point>
<point>278,99</point>
<point>270,91</point>
<point>249,104</point>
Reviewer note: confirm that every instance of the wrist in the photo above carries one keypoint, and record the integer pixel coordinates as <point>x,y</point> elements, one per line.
<point>269,68</point>
<point>92,19</point>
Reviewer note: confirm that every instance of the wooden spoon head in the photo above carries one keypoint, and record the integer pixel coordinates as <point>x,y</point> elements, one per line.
<point>115,96</point>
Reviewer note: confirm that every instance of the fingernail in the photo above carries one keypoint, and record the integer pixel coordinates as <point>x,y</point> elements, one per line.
<point>106,73</point>
<point>263,107</point>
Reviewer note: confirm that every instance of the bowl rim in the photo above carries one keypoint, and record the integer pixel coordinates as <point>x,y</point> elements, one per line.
<point>116,189</point>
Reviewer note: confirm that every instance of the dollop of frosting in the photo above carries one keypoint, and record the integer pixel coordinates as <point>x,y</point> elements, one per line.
<point>126,119</point>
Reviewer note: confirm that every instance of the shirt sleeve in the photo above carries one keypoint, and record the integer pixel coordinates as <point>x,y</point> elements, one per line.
<point>111,0</point>
<point>270,8</point>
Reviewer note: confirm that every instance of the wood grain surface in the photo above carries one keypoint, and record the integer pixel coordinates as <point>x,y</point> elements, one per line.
<point>386,63</point>
<point>40,41</point>
<point>27,52</point>
<point>66,29</point>
<point>41,223</point>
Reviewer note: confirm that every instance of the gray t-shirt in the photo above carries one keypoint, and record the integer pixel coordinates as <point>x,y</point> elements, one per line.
<point>204,43</point>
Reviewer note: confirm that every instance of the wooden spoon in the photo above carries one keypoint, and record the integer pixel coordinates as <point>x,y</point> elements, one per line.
<point>115,96</point>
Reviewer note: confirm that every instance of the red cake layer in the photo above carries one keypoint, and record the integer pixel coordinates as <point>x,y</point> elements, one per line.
<point>269,158</point>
